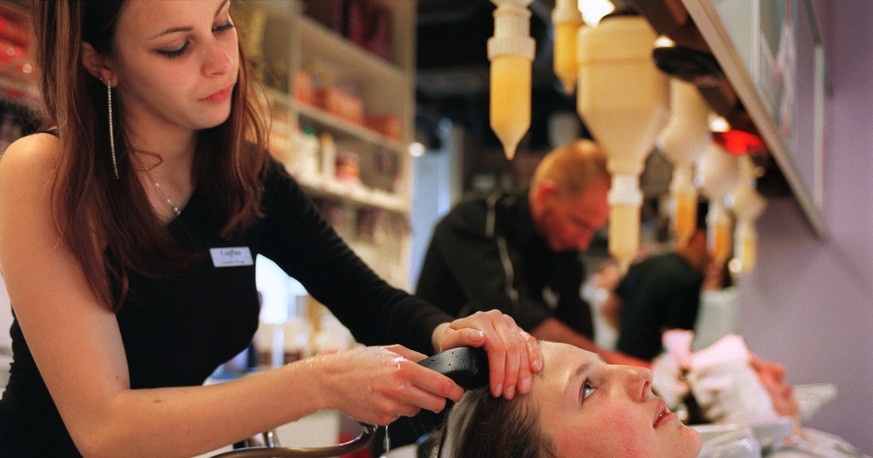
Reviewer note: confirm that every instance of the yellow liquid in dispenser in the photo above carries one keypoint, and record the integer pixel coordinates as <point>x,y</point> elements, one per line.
<point>685,216</point>
<point>510,100</point>
<point>720,242</point>
<point>748,253</point>
<point>565,65</point>
<point>624,233</point>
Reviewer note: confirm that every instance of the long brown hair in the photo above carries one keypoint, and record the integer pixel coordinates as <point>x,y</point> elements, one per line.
<point>94,211</point>
<point>482,425</point>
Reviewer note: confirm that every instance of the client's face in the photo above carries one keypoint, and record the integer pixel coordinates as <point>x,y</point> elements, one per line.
<point>589,408</point>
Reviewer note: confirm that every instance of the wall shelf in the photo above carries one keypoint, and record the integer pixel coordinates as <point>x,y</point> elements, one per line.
<point>322,85</point>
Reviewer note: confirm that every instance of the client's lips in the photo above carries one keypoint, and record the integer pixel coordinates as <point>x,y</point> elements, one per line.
<point>662,414</point>
<point>220,95</point>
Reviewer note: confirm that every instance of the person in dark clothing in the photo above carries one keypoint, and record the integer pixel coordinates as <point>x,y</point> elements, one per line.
<point>521,253</point>
<point>659,293</point>
<point>128,236</point>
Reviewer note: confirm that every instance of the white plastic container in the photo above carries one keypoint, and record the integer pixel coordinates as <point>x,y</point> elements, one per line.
<point>624,101</point>
<point>622,97</point>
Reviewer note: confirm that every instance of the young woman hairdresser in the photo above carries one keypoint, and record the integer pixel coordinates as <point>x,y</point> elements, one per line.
<point>127,238</point>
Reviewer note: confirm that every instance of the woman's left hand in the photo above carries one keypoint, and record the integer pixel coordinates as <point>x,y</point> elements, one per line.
<point>513,354</point>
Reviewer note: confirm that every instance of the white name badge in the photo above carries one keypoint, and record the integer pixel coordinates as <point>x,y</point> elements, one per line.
<point>231,256</point>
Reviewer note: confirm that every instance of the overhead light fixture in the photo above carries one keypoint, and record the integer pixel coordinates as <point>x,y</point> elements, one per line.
<point>416,149</point>
<point>594,10</point>
<point>718,123</point>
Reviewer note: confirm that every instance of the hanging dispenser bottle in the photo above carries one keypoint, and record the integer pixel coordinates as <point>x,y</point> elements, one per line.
<point>748,206</point>
<point>623,100</point>
<point>511,52</point>
<point>567,20</point>
<point>719,172</point>
<point>683,140</point>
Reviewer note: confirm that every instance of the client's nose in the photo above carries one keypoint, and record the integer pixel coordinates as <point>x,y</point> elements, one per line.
<point>637,382</point>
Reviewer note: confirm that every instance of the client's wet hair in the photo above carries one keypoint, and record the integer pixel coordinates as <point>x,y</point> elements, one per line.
<point>480,425</point>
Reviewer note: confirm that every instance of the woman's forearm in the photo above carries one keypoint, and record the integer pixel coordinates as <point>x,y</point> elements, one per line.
<point>186,421</point>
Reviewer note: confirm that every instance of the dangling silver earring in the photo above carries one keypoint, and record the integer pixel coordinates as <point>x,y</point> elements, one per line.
<point>111,127</point>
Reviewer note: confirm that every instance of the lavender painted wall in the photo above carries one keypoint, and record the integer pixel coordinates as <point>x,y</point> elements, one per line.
<point>809,303</point>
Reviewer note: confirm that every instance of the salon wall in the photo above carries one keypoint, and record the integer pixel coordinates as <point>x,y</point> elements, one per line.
<point>809,303</point>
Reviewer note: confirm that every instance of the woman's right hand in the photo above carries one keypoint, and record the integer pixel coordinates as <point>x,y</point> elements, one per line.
<point>376,385</point>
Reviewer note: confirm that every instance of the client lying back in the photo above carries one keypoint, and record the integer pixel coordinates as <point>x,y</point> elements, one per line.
<point>578,406</point>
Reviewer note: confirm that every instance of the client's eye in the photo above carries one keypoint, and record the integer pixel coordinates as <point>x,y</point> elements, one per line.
<point>587,389</point>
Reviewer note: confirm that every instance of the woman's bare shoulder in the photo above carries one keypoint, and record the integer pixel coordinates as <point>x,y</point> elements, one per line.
<point>27,166</point>
<point>30,157</point>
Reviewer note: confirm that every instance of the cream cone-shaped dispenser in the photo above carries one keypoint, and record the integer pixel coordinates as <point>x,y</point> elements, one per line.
<point>623,100</point>
<point>682,141</point>
<point>567,20</point>
<point>719,174</point>
<point>511,52</point>
<point>748,206</point>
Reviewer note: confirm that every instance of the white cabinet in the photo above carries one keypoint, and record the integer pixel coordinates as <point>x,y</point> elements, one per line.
<point>343,116</point>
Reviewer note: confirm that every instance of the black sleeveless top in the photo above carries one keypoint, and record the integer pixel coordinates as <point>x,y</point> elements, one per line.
<point>176,331</point>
